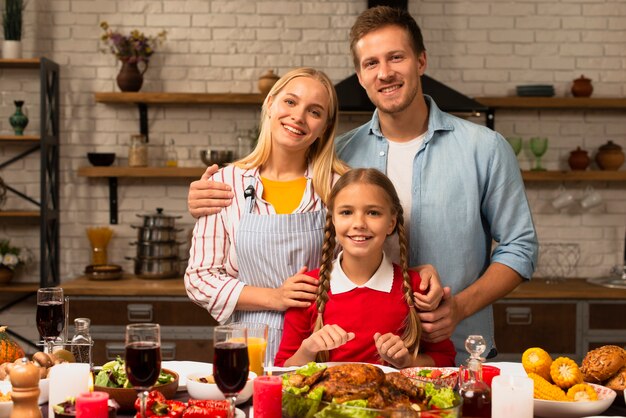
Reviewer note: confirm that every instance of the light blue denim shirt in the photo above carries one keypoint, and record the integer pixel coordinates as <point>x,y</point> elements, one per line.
<point>467,191</point>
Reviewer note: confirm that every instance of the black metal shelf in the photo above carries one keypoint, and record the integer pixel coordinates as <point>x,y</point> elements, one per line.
<point>47,143</point>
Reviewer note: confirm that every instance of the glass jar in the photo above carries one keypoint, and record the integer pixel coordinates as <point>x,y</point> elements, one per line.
<point>81,341</point>
<point>475,392</point>
<point>171,156</point>
<point>138,151</point>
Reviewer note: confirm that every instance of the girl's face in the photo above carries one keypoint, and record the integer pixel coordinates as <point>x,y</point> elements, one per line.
<point>299,114</point>
<point>362,217</point>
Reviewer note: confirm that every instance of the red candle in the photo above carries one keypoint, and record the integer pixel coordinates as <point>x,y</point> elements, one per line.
<point>267,396</point>
<point>92,405</point>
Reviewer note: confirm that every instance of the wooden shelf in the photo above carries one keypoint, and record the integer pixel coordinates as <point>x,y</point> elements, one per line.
<point>574,176</point>
<point>19,214</point>
<point>19,138</point>
<point>20,63</point>
<point>186,172</point>
<point>181,98</point>
<point>515,102</point>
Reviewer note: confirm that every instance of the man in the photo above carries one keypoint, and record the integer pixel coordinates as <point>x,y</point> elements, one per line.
<point>464,190</point>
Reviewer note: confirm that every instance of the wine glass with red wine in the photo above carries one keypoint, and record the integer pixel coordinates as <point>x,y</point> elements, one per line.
<point>230,361</point>
<point>50,315</point>
<point>143,358</point>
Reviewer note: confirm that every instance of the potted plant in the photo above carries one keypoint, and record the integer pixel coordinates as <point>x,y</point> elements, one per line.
<point>12,23</point>
<point>131,50</point>
<point>10,259</point>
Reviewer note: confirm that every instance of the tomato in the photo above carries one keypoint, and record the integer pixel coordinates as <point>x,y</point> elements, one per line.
<point>435,374</point>
<point>206,408</point>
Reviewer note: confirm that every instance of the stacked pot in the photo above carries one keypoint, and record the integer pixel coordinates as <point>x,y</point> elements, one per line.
<point>157,248</point>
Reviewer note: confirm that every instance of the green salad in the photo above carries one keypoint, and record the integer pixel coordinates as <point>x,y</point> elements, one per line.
<point>304,402</point>
<point>113,375</point>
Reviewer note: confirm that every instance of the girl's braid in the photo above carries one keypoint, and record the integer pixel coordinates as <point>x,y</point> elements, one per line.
<point>326,266</point>
<point>413,326</point>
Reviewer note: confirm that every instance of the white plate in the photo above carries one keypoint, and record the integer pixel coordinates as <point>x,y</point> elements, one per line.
<point>385,369</point>
<point>184,368</point>
<point>239,413</point>
<point>559,409</point>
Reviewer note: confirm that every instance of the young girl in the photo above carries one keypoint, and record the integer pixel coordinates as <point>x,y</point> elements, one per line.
<point>364,309</point>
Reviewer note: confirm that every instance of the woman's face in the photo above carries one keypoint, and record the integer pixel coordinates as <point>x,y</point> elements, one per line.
<point>299,114</point>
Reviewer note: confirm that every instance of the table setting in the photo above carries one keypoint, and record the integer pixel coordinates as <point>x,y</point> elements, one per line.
<point>242,381</point>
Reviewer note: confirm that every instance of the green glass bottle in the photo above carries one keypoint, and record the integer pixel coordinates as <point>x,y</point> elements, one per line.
<point>18,120</point>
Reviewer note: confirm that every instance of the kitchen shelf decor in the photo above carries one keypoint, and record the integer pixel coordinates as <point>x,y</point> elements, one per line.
<point>47,143</point>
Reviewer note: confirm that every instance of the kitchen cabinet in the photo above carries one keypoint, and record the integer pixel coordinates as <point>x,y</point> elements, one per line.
<point>47,143</point>
<point>567,319</point>
<point>186,328</point>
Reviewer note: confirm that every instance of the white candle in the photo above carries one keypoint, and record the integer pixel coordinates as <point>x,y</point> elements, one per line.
<point>67,379</point>
<point>512,396</point>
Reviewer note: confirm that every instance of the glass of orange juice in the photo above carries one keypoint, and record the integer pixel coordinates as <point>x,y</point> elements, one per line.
<point>257,342</point>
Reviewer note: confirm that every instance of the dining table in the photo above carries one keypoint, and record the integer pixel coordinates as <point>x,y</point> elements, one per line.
<point>616,409</point>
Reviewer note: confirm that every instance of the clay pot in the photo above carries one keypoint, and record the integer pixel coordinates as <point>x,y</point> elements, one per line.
<point>578,159</point>
<point>266,81</point>
<point>582,87</point>
<point>130,78</point>
<point>610,156</point>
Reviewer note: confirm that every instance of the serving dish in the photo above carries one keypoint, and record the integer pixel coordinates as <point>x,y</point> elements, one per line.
<point>560,409</point>
<point>103,272</point>
<point>186,367</point>
<point>5,406</point>
<point>441,376</point>
<point>210,391</point>
<point>101,159</point>
<point>125,397</point>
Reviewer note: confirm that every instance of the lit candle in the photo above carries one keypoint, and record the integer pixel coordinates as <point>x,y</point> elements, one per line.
<point>512,397</point>
<point>267,396</point>
<point>92,405</point>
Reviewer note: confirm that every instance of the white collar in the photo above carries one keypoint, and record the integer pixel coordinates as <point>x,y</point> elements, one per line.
<point>382,280</point>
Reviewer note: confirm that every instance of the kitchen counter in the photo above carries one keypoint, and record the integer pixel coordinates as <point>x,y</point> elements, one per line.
<point>130,285</point>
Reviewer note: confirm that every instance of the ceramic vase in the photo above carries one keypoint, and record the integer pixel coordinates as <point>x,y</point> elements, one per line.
<point>266,81</point>
<point>11,49</point>
<point>578,159</point>
<point>130,78</point>
<point>18,120</point>
<point>581,87</point>
<point>6,275</point>
<point>610,156</point>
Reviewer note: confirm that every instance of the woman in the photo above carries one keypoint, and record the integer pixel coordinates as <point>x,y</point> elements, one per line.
<point>247,263</point>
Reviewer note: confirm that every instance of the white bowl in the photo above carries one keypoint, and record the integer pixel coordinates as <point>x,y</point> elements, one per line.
<point>560,409</point>
<point>5,407</point>
<point>210,391</point>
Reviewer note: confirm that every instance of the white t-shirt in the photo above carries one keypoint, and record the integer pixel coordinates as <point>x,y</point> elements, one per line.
<point>400,172</point>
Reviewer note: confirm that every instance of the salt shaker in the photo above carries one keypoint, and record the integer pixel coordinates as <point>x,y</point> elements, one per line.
<point>81,341</point>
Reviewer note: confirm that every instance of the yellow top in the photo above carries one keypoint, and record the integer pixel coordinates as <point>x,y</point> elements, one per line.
<point>285,196</point>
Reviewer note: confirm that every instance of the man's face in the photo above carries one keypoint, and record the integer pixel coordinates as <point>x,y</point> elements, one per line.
<point>388,69</point>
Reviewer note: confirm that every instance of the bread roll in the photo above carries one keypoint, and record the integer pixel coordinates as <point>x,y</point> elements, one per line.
<point>618,381</point>
<point>602,363</point>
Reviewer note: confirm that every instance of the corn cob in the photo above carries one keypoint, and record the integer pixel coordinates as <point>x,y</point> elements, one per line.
<point>582,392</point>
<point>545,390</point>
<point>537,360</point>
<point>565,373</point>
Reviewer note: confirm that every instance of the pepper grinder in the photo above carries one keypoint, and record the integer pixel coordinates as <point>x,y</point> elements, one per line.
<point>25,393</point>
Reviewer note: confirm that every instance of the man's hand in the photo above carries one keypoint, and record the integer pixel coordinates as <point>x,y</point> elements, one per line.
<point>298,291</point>
<point>439,324</point>
<point>429,281</point>
<point>392,350</point>
<point>327,338</point>
<point>208,197</point>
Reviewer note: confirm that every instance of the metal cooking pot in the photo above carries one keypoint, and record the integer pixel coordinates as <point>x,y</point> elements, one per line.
<point>157,248</point>
<point>158,219</point>
<point>157,268</point>
<point>156,233</point>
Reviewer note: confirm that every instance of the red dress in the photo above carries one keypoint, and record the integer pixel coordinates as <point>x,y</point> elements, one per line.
<point>365,312</point>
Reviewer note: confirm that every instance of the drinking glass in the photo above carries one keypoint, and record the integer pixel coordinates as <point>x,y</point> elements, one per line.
<point>516,143</point>
<point>143,358</point>
<point>538,146</point>
<point>257,344</point>
<point>50,315</point>
<point>230,361</point>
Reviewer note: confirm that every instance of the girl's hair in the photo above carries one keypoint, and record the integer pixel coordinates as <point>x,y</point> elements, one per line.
<point>321,154</point>
<point>412,325</point>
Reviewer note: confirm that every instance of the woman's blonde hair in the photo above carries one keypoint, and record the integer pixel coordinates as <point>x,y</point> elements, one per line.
<point>321,153</point>
<point>412,325</point>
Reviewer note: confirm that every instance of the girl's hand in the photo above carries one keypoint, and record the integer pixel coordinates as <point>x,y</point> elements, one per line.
<point>297,291</point>
<point>327,338</point>
<point>430,292</point>
<point>392,350</point>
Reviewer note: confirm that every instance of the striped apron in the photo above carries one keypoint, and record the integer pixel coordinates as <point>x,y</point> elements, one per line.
<point>271,248</point>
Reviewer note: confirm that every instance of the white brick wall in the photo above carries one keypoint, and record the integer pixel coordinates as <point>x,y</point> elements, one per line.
<point>478,47</point>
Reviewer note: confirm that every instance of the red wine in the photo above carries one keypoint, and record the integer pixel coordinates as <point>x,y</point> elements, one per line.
<point>50,318</point>
<point>476,404</point>
<point>230,367</point>
<point>143,363</point>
